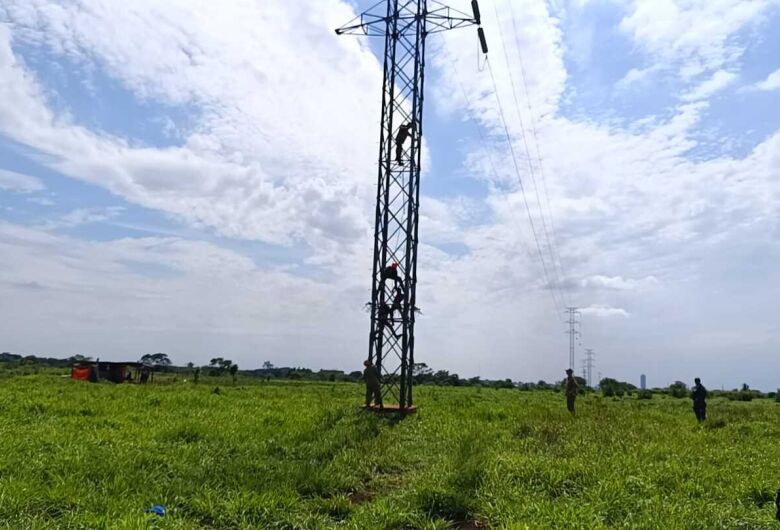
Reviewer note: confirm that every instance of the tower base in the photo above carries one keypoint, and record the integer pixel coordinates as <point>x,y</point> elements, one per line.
<point>392,409</point>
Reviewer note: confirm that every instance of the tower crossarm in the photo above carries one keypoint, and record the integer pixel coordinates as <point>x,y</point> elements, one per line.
<point>439,17</point>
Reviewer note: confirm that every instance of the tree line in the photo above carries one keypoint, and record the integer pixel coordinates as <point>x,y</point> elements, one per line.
<point>422,374</point>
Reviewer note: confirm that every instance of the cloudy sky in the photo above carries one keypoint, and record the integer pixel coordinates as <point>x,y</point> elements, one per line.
<point>197,177</point>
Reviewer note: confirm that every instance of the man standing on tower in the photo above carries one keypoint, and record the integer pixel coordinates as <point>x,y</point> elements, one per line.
<point>571,389</point>
<point>699,396</point>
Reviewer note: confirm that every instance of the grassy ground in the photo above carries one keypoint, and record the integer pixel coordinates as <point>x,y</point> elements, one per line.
<point>276,455</point>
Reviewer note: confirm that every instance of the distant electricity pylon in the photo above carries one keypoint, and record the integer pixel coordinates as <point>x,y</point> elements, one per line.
<point>573,313</point>
<point>404,24</point>
<point>588,363</point>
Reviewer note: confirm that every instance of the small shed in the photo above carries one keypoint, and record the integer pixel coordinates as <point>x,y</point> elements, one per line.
<point>116,372</point>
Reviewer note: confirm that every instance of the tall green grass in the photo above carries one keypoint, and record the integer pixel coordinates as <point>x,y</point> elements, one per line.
<point>302,455</point>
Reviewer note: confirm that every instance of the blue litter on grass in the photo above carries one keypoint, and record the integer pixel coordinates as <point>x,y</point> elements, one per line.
<point>157,509</point>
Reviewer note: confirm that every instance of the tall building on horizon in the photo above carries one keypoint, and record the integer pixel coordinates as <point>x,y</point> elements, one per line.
<point>642,382</point>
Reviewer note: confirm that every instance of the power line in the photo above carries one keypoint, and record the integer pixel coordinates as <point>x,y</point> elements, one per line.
<point>536,139</point>
<point>550,244</point>
<point>557,305</point>
<point>520,182</point>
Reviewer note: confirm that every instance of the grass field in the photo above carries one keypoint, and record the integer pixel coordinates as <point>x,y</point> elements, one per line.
<point>285,455</point>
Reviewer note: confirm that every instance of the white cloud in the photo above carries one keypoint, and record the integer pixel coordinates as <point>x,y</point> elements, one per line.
<point>618,282</point>
<point>696,35</point>
<point>604,311</point>
<point>719,80</point>
<point>82,216</point>
<point>126,297</point>
<point>282,145</point>
<point>636,76</point>
<point>41,201</point>
<point>772,82</point>
<point>13,181</point>
<point>283,152</point>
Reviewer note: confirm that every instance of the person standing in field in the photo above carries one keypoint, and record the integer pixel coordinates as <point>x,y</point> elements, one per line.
<point>699,396</point>
<point>373,389</point>
<point>571,389</point>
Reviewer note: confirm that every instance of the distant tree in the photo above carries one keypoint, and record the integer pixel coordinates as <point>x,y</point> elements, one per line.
<point>267,365</point>
<point>233,371</point>
<point>190,365</point>
<point>157,360</point>
<point>219,365</point>
<point>421,369</point>
<point>678,389</point>
<point>745,387</point>
<point>422,373</point>
<point>612,387</point>
<point>644,394</point>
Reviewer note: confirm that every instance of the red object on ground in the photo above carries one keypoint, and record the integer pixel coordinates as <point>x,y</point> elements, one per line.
<point>80,373</point>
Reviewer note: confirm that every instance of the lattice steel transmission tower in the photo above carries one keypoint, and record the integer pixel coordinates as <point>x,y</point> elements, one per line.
<point>588,362</point>
<point>572,331</point>
<point>404,24</point>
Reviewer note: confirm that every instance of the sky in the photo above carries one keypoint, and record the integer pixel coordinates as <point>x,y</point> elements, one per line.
<point>198,177</point>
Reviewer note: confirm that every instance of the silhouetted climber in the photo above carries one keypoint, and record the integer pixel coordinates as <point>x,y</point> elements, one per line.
<point>391,273</point>
<point>571,389</point>
<point>398,301</point>
<point>699,396</point>
<point>404,132</point>
<point>373,388</point>
<point>384,319</point>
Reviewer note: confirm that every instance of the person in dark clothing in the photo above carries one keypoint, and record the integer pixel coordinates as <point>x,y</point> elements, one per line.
<point>398,301</point>
<point>391,273</point>
<point>373,388</point>
<point>571,390</point>
<point>404,132</point>
<point>699,396</point>
<point>384,318</point>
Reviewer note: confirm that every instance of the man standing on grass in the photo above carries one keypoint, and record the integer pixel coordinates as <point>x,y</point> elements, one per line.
<point>571,389</point>
<point>699,396</point>
<point>373,389</point>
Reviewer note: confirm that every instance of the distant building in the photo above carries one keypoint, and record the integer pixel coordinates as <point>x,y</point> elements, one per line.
<point>110,371</point>
<point>643,382</point>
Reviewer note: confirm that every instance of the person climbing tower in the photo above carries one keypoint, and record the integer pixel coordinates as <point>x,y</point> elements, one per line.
<point>384,318</point>
<point>398,300</point>
<point>404,132</point>
<point>391,273</point>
